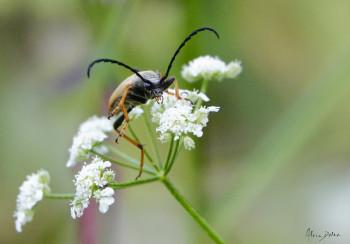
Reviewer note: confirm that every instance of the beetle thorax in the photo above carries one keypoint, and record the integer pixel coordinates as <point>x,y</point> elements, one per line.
<point>149,75</point>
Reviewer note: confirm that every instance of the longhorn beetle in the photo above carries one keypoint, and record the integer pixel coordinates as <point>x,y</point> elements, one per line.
<point>138,89</point>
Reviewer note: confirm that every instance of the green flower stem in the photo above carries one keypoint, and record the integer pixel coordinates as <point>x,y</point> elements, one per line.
<point>137,167</point>
<point>186,205</point>
<point>126,157</point>
<point>153,139</point>
<point>172,160</point>
<point>202,90</point>
<point>59,196</point>
<point>113,185</point>
<point>171,147</point>
<point>133,183</point>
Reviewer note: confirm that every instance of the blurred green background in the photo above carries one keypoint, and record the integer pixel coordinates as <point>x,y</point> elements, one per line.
<point>271,164</point>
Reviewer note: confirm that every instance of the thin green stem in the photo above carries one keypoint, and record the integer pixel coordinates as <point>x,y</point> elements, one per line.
<point>169,153</point>
<point>145,151</point>
<point>113,185</point>
<point>172,160</point>
<point>137,166</point>
<point>126,156</point>
<point>153,139</point>
<point>199,219</point>
<point>202,90</point>
<point>59,196</point>
<point>133,183</point>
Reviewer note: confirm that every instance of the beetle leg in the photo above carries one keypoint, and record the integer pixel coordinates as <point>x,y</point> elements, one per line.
<point>170,93</point>
<point>126,117</point>
<point>139,146</point>
<point>177,92</point>
<point>122,100</point>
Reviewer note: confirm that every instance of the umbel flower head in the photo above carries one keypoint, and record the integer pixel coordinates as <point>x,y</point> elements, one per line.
<point>30,193</point>
<point>93,182</point>
<point>210,68</point>
<point>90,135</point>
<point>176,118</point>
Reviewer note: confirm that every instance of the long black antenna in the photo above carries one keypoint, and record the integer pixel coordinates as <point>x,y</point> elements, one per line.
<point>115,62</point>
<point>183,44</point>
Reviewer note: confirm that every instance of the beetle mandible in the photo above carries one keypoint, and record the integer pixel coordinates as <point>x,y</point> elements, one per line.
<point>138,89</point>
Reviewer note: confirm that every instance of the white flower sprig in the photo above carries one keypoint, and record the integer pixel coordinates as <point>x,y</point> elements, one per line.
<point>90,135</point>
<point>93,182</point>
<point>176,118</point>
<point>210,68</point>
<point>30,193</point>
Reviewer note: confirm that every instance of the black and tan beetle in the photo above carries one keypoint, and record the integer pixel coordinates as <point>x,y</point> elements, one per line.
<point>138,89</point>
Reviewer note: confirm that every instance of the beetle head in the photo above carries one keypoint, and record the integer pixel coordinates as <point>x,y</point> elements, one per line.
<point>156,89</point>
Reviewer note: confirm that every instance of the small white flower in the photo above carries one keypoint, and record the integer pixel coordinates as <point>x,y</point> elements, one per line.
<point>189,143</point>
<point>176,118</point>
<point>209,68</point>
<point>90,135</point>
<point>165,137</point>
<point>92,182</point>
<point>106,199</point>
<point>30,193</point>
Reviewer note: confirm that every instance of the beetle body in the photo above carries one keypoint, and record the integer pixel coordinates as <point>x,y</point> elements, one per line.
<point>138,89</point>
<point>138,93</point>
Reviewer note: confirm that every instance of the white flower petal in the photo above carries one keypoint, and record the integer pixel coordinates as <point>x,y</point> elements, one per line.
<point>107,192</point>
<point>213,109</point>
<point>105,202</point>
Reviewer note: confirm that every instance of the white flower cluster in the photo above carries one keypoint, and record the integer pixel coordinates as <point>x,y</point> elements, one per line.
<point>90,135</point>
<point>177,118</point>
<point>208,68</point>
<point>92,182</point>
<point>30,193</point>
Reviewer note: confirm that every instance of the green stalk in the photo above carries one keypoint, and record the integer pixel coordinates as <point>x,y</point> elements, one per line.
<point>153,139</point>
<point>169,153</point>
<point>137,167</point>
<point>127,157</point>
<point>59,196</point>
<point>113,185</point>
<point>172,160</point>
<point>202,90</point>
<point>199,219</point>
<point>133,183</point>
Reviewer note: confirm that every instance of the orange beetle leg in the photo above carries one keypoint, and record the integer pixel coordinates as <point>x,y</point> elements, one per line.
<point>177,93</point>
<point>122,100</point>
<point>139,146</point>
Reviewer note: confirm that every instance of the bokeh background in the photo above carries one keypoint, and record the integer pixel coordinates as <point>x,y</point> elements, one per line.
<point>271,164</point>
